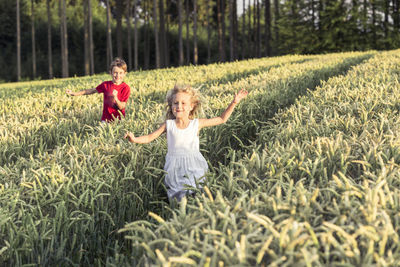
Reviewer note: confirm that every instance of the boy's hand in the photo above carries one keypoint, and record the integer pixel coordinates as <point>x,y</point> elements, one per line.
<point>130,137</point>
<point>240,95</point>
<point>69,91</point>
<point>115,93</point>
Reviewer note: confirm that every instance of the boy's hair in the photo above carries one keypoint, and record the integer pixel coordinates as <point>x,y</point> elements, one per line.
<point>120,63</point>
<point>194,98</point>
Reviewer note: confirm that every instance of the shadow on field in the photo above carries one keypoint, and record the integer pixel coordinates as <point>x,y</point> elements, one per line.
<point>246,122</point>
<point>159,96</point>
<point>236,76</point>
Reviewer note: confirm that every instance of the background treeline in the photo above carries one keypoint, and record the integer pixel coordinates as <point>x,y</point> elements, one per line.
<point>62,38</point>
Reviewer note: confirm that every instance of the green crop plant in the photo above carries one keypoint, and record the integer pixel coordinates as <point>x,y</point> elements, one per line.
<point>305,172</point>
<point>319,186</point>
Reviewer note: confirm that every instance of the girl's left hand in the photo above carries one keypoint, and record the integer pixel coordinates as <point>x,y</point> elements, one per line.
<point>240,95</point>
<point>130,137</point>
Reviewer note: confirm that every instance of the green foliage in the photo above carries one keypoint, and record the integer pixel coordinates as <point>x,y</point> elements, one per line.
<point>304,27</point>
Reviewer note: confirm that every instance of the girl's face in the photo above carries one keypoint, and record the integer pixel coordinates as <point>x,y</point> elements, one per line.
<point>117,75</point>
<point>182,105</point>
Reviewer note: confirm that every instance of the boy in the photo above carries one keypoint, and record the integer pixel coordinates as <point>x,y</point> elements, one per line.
<point>116,92</point>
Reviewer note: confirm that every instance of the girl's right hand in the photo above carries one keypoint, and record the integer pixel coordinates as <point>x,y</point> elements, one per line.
<point>69,91</point>
<point>240,95</point>
<point>130,137</point>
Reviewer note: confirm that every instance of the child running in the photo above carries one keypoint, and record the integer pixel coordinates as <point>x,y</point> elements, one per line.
<point>116,92</point>
<point>184,164</point>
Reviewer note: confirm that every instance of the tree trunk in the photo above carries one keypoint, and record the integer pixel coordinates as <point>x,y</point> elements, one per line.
<point>243,39</point>
<point>255,29</point>
<point>157,47</point>
<point>354,21</point>
<point>33,40</point>
<point>146,36</point>
<point>386,23</point>
<point>320,23</point>
<point>249,33</point>
<point>128,20</point>
<point>258,30</point>
<point>292,21</point>
<point>86,38</point>
<point>313,14</point>
<point>64,39</point>
<point>267,28</point>
<point>195,52</point>
<point>219,19</point>
<point>231,51</point>
<point>396,16</point>
<point>91,43</point>
<point>221,31</point>
<point>187,34</point>
<point>276,30</point>
<point>66,61</point>
<point>167,49</point>
<point>235,30</point>
<point>109,39</point>
<point>373,26</point>
<point>163,36</point>
<point>18,43</point>
<point>49,50</point>
<point>180,40</point>
<point>119,11</point>
<point>365,17</point>
<point>208,33</point>
<point>136,41</point>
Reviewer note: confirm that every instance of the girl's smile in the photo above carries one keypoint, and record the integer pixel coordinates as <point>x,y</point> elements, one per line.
<point>182,105</point>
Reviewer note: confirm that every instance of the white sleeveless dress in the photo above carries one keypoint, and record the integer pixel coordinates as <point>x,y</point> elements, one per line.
<point>184,164</point>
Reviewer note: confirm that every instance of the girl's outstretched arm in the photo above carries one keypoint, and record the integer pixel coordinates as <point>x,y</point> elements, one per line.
<point>144,139</point>
<point>226,114</point>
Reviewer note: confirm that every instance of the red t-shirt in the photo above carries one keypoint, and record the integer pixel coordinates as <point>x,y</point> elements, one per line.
<point>110,109</point>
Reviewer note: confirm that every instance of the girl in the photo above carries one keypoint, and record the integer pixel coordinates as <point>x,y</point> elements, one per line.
<point>184,164</point>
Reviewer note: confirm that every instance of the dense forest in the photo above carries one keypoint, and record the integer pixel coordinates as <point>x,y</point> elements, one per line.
<point>42,39</point>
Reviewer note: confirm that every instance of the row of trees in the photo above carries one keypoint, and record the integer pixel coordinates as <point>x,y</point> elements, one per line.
<point>80,37</point>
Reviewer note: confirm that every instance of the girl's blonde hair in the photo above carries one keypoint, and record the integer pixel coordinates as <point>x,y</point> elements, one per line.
<point>195,98</point>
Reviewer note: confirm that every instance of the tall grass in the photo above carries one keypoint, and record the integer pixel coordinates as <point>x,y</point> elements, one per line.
<point>318,187</point>
<point>298,174</point>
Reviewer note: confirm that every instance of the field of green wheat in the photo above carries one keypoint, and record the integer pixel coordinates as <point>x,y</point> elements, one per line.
<point>305,172</point>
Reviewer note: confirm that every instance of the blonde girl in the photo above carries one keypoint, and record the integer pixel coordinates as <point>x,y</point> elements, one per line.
<point>184,164</point>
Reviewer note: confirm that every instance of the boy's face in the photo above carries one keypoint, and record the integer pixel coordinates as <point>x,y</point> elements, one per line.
<point>118,75</point>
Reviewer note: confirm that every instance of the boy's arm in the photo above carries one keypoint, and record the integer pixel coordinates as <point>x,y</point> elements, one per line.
<point>144,139</point>
<point>83,92</point>
<point>120,104</point>
<point>226,114</point>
